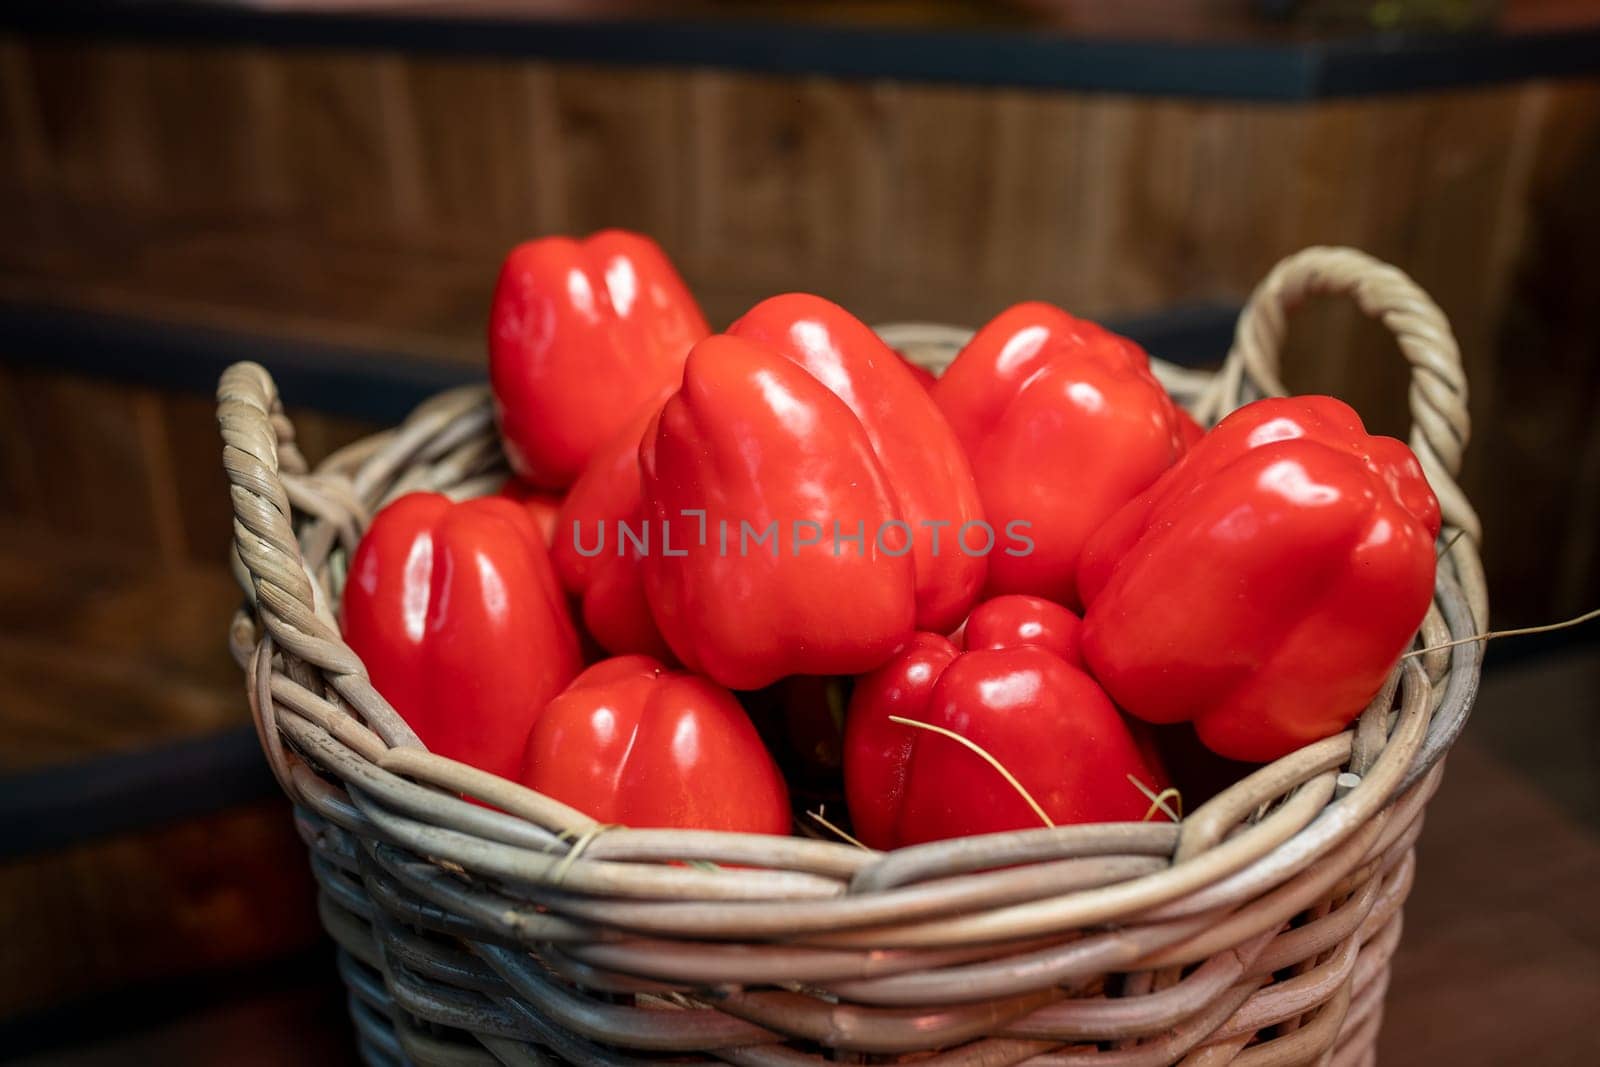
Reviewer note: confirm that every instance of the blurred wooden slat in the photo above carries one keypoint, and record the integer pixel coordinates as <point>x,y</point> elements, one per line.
<point>201,489</point>
<point>223,890</point>
<point>93,467</point>
<point>486,177</point>
<point>406,176</point>
<point>384,179</point>
<point>239,96</point>
<point>365,199</point>
<point>26,166</point>
<point>101,652</point>
<point>1545,385</point>
<point>239,1025</point>
<point>115,595</point>
<point>617,151</point>
<point>943,165</point>
<point>19,485</point>
<point>350,164</point>
<point>789,186</point>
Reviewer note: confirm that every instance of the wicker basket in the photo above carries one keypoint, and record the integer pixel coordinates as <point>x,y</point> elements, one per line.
<point>1258,931</point>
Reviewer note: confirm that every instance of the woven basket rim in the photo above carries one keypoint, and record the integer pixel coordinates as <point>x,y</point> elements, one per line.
<point>932,345</point>
<point>970,922</point>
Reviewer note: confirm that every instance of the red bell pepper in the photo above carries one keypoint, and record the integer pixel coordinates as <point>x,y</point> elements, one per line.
<point>1064,423</point>
<point>596,562</point>
<point>923,375</point>
<point>1040,717</point>
<point>1190,429</point>
<point>633,743</point>
<point>1015,620</point>
<point>1264,587</point>
<point>541,506</point>
<point>928,474</point>
<point>457,615</point>
<point>761,459</point>
<point>582,336</point>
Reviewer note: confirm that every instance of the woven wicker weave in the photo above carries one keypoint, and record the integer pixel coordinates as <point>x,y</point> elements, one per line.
<point>1258,931</point>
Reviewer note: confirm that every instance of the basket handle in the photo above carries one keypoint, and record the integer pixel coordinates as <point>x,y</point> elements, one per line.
<point>1440,424</point>
<point>266,472</point>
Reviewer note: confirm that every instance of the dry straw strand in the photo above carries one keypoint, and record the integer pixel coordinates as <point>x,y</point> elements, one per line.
<point>982,753</point>
<point>822,820</point>
<point>1490,635</point>
<point>1158,801</point>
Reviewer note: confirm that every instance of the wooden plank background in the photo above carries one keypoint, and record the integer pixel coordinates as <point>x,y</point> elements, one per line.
<point>366,199</point>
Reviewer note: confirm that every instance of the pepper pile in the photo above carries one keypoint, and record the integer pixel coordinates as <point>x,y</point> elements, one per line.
<point>976,603</point>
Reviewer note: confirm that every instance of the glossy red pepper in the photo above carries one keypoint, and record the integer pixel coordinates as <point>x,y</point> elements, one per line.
<point>771,464</point>
<point>542,507</point>
<point>1265,586</point>
<point>596,562</point>
<point>1040,717</point>
<point>929,477</point>
<point>457,615</point>
<point>923,375</point>
<point>633,743</point>
<point>1064,423</point>
<point>582,336</point>
<point>1015,620</point>
<point>1190,429</point>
